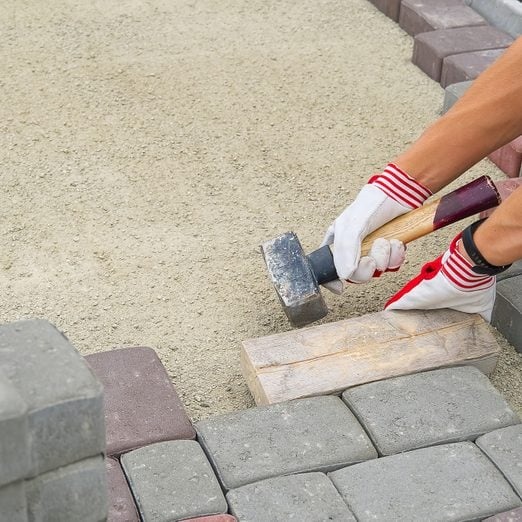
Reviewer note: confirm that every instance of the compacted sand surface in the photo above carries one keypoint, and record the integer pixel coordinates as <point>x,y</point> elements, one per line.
<point>149,147</point>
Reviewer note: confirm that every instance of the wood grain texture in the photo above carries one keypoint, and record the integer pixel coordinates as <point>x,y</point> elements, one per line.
<point>330,358</point>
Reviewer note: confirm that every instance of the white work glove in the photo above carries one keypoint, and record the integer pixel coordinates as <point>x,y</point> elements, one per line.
<point>447,282</point>
<point>385,197</point>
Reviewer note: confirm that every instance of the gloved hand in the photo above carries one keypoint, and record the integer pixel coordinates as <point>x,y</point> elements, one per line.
<point>448,282</point>
<point>385,197</point>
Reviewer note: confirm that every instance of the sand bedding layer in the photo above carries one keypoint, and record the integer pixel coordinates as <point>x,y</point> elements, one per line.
<point>148,148</point>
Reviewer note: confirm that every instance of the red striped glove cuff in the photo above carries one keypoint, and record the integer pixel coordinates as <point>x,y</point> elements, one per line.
<point>401,187</point>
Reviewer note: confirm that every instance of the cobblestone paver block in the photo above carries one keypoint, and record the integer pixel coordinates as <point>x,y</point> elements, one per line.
<point>507,311</point>
<point>504,448</point>
<point>453,93</point>
<point>121,502</point>
<point>513,271</point>
<point>423,409</point>
<point>77,492</point>
<point>173,480</point>
<point>390,8</point>
<point>430,49</point>
<point>467,66</point>
<point>314,434</point>
<point>13,506</point>
<point>453,482</point>
<point>141,405</point>
<point>509,158</point>
<point>504,14</point>
<point>307,497</point>
<point>515,515</point>
<point>64,399</point>
<point>14,442</point>
<point>421,16</point>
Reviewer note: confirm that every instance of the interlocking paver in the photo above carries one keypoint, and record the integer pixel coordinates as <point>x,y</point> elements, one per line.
<point>173,480</point>
<point>121,502</point>
<point>420,16</point>
<point>390,8</point>
<point>64,399</point>
<point>452,482</point>
<point>504,448</point>
<point>514,270</point>
<point>507,311</point>
<point>430,49</point>
<point>428,408</point>
<point>504,14</point>
<point>212,518</point>
<point>515,515</point>
<point>13,506</point>
<point>467,66</point>
<point>453,93</point>
<point>307,497</point>
<point>14,441</point>
<point>509,158</point>
<point>314,434</point>
<point>77,492</point>
<point>141,405</point>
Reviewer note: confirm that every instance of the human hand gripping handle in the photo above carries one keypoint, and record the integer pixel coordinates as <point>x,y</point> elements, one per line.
<point>385,197</point>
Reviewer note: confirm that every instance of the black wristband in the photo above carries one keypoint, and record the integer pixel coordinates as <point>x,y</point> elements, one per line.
<point>482,266</point>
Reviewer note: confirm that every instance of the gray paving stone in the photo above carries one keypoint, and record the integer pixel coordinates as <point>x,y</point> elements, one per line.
<point>453,482</point>
<point>390,8</point>
<point>514,515</point>
<point>173,480</point>
<point>74,493</point>
<point>420,16</point>
<point>453,93</point>
<point>14,441</point>
<point>467,66</point>
<point>64,399</point>
<point>121,502</point>
<point>504,14</point>
<point>314,434</point>
<point>514,270</point>
<point>13,506</point>
<point>307,497</point>
<point>504,448</point>
<point>507,311</point>
<point>430,49</point>
<point>428,408</point>
<point>141,405</point>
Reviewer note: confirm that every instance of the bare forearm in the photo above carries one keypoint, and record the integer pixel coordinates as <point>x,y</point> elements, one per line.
<point>488,116</point>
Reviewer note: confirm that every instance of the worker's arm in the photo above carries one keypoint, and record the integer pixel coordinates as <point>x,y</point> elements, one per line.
<point>485,118</point>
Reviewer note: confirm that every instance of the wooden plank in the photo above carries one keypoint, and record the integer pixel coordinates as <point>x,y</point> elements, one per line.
<point>335,356</point>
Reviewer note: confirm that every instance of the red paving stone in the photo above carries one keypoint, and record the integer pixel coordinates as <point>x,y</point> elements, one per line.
<point>514,515</point>
<point>509,158</point>
<point>141,405</point>
<point>121,502</point>
<point>213,518</point>
<point>390,8</point>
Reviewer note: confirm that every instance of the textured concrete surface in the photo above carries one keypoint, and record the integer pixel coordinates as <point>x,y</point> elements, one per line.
<point>420,16</point>
<point>121,502</point>
<point>452,93</point>
<point>440,406</point>
<point>306,497</point>
<point>507,311</point>
<point>504,14</point>
<point>77,492</point>
<point>504,448</point>
<point>14,439</point>
<point>173,480</point>
<point>141,405</point>
<point>467,66</point>
<point>315,434</point>
<point>13,505</point>
<point>64,399</point>
<point>430,49</point>
<point>453,482</point>
<point>513,271</point>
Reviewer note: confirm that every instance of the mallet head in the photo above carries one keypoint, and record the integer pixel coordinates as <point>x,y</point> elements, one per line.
<point>295,277</point>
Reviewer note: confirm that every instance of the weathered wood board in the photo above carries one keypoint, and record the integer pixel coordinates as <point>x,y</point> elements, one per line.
<point>332,357</point>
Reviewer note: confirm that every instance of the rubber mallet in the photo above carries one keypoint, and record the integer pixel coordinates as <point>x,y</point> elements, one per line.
<point>296,277</point>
